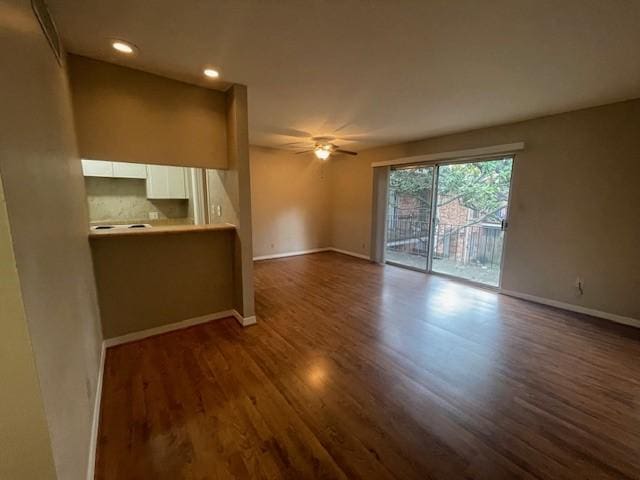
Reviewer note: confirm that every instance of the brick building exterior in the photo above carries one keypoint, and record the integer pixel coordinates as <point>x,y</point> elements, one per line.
<point>408,230</point>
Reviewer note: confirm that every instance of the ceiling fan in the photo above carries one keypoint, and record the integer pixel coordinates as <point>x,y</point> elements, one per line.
<point>323,148</point>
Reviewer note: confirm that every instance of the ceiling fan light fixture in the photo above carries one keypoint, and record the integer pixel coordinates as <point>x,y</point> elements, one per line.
<point>322,151</point>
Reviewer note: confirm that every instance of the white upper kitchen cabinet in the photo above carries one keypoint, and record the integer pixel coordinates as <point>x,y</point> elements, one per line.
<point>97,168</point>
<point>129,170</point>
<point>166,182</point>
<point>103,168</point>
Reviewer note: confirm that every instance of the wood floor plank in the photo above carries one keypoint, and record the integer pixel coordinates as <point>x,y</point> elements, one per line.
<point>356,370</point>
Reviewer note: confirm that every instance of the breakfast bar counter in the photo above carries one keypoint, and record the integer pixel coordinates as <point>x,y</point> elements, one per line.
<point>160,230</point>
<point>150,277</point>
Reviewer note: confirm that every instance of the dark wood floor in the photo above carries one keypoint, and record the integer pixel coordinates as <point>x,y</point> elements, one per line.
<point>361,371</point>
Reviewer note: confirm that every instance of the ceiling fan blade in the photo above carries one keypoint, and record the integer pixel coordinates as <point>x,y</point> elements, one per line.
<point>285,132</point>
<point>294,145</point>
<point>347,152</point>
<point>354,138</point>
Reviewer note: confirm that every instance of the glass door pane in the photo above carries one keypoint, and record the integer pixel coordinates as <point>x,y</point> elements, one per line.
<point>471,211</point>
<point>409,216</point>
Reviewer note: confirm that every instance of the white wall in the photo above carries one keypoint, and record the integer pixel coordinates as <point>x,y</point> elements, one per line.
<point>44,190</point>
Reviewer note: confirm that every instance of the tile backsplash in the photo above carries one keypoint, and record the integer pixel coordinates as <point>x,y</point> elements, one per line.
<point>124,200</point>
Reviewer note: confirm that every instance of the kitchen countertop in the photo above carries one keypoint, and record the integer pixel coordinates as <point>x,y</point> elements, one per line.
<point>165,230</point>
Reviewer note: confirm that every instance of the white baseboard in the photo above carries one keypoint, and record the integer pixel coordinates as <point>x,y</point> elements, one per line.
<point>244,321</point>
<point>314,250</point>
<point>95,423</point>
<point>632,322</point>
<point>135,336</point>
<point>352,254</point>
<point>290,254</point>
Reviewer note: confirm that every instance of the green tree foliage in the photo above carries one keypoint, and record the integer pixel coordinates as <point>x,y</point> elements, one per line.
<point>412,181</point>
<point>481,186</point>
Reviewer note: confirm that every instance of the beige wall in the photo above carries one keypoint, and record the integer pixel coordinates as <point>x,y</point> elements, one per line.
<point>25,450</point>
<point>148,280</point>
<point>45,201</point>
<point>223,193</point>
<point>237,185</point>
<point>127,115</point>
<point>291,203</point>
<point>574,208</point>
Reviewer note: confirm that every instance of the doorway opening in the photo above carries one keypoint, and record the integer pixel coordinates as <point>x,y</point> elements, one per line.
<point>450,218</point>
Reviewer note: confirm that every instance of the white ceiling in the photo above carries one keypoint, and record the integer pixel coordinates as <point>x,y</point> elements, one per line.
<point>377,71</point>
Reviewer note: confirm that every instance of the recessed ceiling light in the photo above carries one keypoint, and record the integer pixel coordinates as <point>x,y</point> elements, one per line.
<point>122,47</point>
<point>211,73</point>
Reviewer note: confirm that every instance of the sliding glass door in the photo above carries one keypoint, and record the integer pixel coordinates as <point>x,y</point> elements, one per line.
<point>450,218</point>
<point>409,217</point>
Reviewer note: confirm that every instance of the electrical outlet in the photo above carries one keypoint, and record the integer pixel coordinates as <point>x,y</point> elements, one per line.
<point>219,210</point>
<point>153,215</point>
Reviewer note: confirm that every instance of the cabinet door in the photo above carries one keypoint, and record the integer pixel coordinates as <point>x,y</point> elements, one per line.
<point>166,182</point>
<point>157,185</point>
<point>97,168</point>
<point>176,180</point>
<point>129,170</point>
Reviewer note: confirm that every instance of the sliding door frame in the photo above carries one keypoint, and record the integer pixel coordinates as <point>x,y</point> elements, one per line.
<point>432,218</point>
<point>436,164</point>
